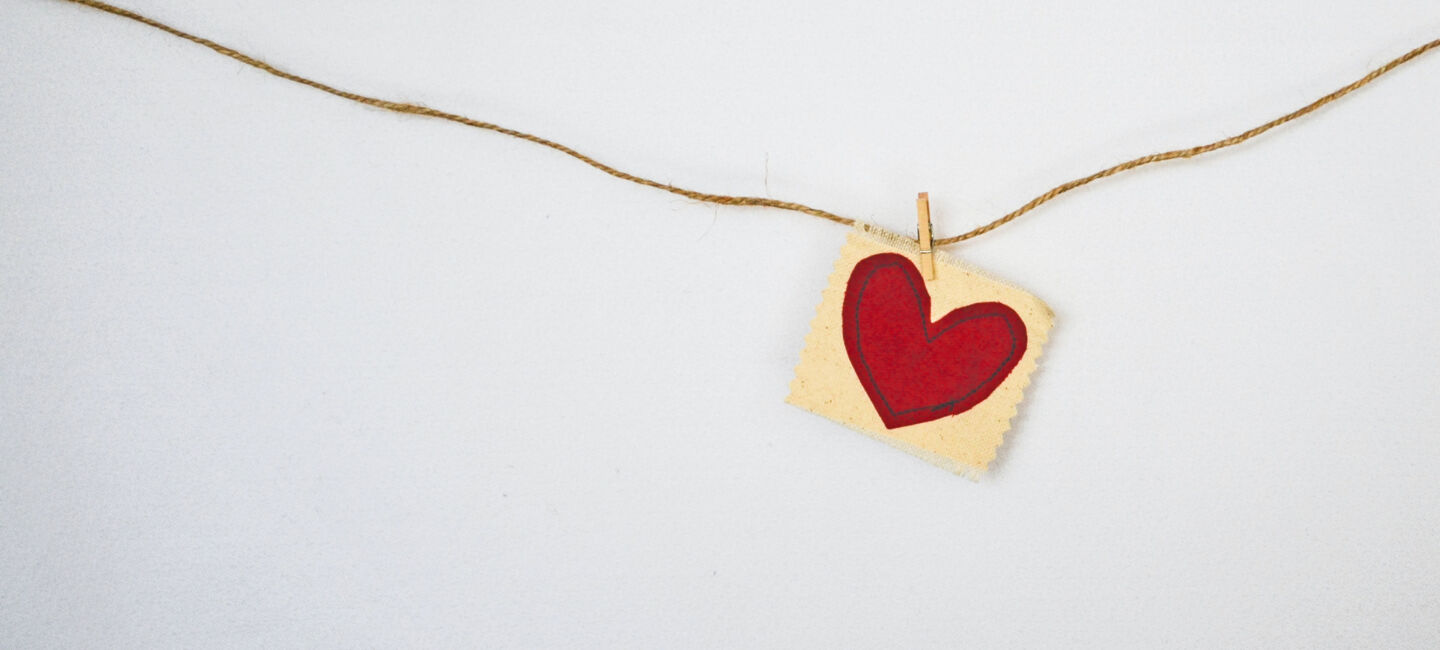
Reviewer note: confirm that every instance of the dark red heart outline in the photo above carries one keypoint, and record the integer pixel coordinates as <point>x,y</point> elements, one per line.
<point>967,391</point>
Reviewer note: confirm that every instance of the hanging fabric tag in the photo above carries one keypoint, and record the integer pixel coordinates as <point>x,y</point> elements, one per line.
<point>936,367</point>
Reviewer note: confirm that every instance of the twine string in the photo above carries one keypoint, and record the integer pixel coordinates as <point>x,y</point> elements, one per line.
<point>1191,152</point>
<point>725,199</point>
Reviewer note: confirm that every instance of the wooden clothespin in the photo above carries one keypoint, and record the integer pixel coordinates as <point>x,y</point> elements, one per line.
<point>927,251</point>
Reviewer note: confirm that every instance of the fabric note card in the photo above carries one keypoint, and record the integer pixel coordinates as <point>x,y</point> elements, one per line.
<point>934,367</point>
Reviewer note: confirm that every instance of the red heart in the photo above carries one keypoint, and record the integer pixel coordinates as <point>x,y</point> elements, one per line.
<point>915,370</point>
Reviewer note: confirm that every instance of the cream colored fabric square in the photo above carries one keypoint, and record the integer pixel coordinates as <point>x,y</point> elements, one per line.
<point>826,382</point>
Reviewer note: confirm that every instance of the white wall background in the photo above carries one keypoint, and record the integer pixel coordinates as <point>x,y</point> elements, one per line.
<point>277,370</point>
